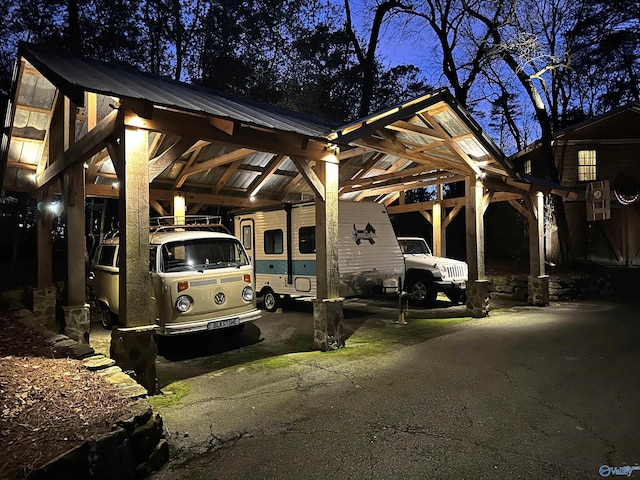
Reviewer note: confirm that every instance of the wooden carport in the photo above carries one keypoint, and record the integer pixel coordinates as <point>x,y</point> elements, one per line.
<point>85,128</point>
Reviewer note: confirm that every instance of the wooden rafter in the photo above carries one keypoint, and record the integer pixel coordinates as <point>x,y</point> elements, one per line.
<point>406,127</point>
<point>193,168</point>
<point>422,158</point>
<point>243,136</point>
<point>451,143</point>
<point>302,164</point>
<point>267,173</point>
<point>160,163</point>
<point>229,171</point>
<point>87,146</point>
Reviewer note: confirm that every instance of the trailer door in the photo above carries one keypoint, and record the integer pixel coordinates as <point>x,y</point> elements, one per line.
<point>247,237</point>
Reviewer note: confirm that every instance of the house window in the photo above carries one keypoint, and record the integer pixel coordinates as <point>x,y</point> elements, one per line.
<point>587,160</point>
<point>527,167</point>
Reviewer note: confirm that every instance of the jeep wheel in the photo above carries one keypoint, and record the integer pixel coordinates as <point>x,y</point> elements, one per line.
<point>271,301</point>
<point>423,292</point>
<point>107,317</point>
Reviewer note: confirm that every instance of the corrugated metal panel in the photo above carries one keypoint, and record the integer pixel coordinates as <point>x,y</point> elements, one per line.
<point>288,165</point>
<point>453,126</point>
<point>276,183</point>
<point>29,124</point>
<point>258,159</point>
<point>473,148</point>
<point>241,179</point>
<point>121,81</point>
<point>36,91</point>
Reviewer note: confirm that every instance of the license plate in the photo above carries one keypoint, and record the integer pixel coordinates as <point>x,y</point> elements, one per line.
<point>230,322</point>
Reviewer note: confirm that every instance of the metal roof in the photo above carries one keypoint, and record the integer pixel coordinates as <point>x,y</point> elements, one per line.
<point>425,141</point>
<point>74,75</point>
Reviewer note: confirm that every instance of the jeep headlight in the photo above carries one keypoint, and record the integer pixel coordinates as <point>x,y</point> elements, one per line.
<point>183,303</point>
<point>443,271</point>
<point>247,294</point>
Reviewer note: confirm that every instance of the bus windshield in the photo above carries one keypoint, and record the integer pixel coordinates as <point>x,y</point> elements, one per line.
<point>202,254</point>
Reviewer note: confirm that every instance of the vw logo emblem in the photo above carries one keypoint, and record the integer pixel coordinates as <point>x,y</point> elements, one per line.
<point>219,298</point>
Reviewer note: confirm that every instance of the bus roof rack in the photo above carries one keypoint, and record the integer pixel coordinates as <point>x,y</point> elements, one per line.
<point>212,223</point>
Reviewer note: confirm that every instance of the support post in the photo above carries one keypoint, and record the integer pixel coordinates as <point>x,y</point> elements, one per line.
<point>76,311</point>
<point>43,297</point>
<point>327,307</point>
<point>436,222</point>
<point>134,302</point>
<point>538,282</point>
<point>133,345</point>
<point>179,209</point>
<point>477,287</point>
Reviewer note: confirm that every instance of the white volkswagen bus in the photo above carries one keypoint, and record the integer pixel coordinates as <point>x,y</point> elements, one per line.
<point>201,278</point>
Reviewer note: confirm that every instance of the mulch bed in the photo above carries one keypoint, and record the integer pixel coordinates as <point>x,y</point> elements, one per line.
<point>49,405</point>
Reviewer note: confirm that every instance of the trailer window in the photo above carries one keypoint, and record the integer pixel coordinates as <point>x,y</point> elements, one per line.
<point>307,239</point>
<point>246,237</point>
<point>273,243</point>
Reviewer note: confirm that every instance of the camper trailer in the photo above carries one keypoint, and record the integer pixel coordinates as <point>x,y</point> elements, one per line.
<point>281,243</point>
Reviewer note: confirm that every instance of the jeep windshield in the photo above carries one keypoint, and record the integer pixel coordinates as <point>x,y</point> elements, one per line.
<point>202,254</point>
<point>414,246</point>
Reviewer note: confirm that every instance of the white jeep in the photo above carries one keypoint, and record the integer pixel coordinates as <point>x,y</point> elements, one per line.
<point>426,274</point>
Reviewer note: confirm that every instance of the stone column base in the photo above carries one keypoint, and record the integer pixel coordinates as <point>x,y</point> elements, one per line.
<point>44,307</point>
<point>328,330</point>
<point>77,323</point>
<point>134,349</point>
<point>478,298</point>
<point>539,290</point>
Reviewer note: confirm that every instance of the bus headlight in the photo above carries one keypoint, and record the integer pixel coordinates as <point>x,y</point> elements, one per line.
<point>247,294</point>
<point>183,303</point>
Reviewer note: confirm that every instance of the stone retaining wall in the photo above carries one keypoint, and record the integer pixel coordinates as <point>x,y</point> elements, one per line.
<point>561,286</point>
<point>134,448</point>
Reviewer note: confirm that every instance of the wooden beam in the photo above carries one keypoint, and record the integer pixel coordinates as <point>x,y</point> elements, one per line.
<point>452,214</point>
<point>451,143</point>
<point>224,178</point>
<point>474,228</point>
<point>73,193</point>
<point>436,136</point>
<point>224,159</point>
<point>266,174</point>
<point>448,203</point>
<point>244,136</point>
<point>87,146</point>
<point>192,159</point>
<point>160,163</point>
<point>353,152</point>
<point>302,164</point>
<point>522,210</point>
<point>134,305</point>
<point>31,108</point>
<point>407,175</point>
<point>421,158</point>
<point>158,208</point>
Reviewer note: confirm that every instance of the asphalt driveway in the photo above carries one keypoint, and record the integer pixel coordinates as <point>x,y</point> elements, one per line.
<point>525,393</point>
